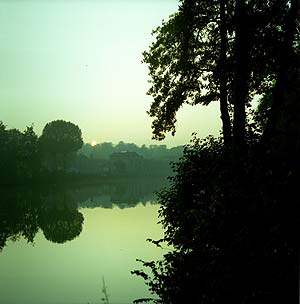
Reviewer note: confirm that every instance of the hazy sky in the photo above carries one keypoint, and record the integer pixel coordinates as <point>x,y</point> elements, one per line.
<point>81,61</point>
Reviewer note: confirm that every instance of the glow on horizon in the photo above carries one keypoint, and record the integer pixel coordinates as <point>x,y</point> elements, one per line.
<point>81,61</point>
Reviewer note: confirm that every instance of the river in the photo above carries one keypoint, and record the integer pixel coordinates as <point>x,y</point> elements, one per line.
<point>58,245</point>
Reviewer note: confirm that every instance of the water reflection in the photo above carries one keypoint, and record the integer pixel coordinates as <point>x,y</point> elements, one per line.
<point>24,211</point>
<point>61,224</point>
<point>54,210</point>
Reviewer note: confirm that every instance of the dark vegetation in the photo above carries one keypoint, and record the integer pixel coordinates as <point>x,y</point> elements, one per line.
<point>25,157</point>
<point>231,213</point>
<point>25,211</point>
<point>53,209</point>
<point>60,155</point>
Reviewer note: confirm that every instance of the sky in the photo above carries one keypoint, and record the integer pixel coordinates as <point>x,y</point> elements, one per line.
<point>80,60</point>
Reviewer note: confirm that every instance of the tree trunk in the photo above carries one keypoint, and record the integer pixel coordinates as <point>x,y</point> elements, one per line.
<point>223,78</point>
<point>240,90</point>
<point>274,133</point>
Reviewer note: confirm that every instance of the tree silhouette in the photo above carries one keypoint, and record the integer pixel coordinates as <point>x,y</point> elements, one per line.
<point>60,138</point>
<point>220,50</point>
<point>232,215</point>
<point>19,155</point>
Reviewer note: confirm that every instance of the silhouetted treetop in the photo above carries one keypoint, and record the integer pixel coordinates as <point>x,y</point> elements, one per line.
<point>61,136</point>
<point>221,50</point>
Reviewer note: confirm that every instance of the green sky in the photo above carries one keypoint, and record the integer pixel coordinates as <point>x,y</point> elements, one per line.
<point>81,61</point>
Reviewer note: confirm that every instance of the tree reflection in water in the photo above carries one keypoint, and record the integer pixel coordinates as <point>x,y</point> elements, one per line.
<point>24,211</point>
<point>61,224</point>
<point>54,210</point>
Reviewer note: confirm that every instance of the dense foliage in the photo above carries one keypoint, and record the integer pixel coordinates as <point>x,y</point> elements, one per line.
<point>232,225</point>
<point>25,157</point>
<point>231,213</point>
<point>220,51</point>
<point>59,155</point>
<point>61,137</point>
<point>19,154</point>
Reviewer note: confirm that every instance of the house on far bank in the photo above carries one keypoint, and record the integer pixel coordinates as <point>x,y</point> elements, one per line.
<point>90,166</point>
<point>126,163</point>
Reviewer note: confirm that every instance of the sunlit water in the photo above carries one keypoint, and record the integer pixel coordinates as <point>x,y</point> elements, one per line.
<point>72,272</point>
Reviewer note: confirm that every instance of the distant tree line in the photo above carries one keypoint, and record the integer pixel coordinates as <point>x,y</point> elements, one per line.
<point>59,153</point>
<point>125,159</point>
<point>104,150</point>
<point>19,154</point>
<point>27,157</point>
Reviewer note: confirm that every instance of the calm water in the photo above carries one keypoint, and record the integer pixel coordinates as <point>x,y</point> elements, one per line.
<point>57,244</point>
